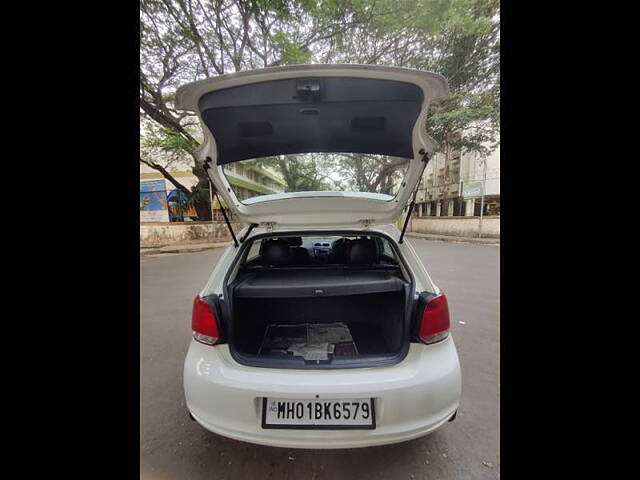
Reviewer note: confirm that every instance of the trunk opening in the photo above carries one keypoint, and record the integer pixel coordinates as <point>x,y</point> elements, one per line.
<point>375,320</point>
<point>343,303</point>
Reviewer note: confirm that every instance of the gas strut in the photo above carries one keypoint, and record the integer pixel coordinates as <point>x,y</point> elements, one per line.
<point>425,160</point>
<point>226,219</point>
<point>206,166</point>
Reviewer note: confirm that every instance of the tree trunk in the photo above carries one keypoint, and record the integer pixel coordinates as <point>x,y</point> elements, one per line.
<point>203,206</point>
<point>202,197</point>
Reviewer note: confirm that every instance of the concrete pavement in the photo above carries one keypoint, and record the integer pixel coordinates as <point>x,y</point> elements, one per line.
<point>186,248</point>
<point>453,238</point>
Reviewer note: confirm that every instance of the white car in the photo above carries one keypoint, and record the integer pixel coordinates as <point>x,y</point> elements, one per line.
<point>319,327</point>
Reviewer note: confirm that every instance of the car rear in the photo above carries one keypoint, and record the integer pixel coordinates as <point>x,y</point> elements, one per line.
<point>410,399</point>
<point>292,401</point>
<point>352,348</point>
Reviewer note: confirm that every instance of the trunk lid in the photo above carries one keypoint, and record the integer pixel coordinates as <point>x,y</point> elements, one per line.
<point>352,111</point>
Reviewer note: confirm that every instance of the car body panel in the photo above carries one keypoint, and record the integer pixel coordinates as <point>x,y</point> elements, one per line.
<point>412,398</point>
<point>319,208</point>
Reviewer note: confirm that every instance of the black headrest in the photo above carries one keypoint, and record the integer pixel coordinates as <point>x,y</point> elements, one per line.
<point>340,243</point>
<point>294,241</point>
<point>275,252</point>
<point>339,250</point>
<point>363,251</point>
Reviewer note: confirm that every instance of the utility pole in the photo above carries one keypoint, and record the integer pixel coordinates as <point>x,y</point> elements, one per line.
<point>484,183</point>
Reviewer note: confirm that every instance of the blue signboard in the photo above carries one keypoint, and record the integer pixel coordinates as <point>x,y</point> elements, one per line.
<point>152,186</point>
<point>153,201</point>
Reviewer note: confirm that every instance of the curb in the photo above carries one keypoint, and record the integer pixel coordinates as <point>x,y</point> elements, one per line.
<point>182,249</point>
<point>209,246</point>
<point>450,238</point>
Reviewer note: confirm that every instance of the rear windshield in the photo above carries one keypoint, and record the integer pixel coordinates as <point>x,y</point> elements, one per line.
<point>314,172</point>
<point>319,251</point>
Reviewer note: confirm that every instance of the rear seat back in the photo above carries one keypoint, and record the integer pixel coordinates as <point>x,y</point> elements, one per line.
<point>363,251</point>
<point>278,252</point>
<point>299,254</point>
<point>275,253</point>
<point>340,251</point>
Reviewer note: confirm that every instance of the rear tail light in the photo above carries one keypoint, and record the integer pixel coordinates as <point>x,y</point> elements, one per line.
<point>435,320</point>
<point>204,323</point>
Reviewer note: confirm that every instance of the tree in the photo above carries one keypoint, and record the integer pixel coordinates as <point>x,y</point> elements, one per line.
<point>470,119</point>
<point>187,40</point>
<point>371,173</point>
<point>301,173</point>
<point>459,39</point>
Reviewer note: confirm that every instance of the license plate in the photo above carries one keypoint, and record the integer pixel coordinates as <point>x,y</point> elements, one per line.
<point>320,414</point>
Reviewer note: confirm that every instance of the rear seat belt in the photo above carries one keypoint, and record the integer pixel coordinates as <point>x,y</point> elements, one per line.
<point>425,161</point>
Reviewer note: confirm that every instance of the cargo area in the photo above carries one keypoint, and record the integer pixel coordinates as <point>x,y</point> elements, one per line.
<point>312,341</point>
<point>319,314</point>
<point>375,321</point>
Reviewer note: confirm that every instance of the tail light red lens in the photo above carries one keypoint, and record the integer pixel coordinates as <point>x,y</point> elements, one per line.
<point>204,323</point>
<point>435,320</point>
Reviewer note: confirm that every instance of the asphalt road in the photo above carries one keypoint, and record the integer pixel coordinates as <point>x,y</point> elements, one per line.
<point>174,447</point>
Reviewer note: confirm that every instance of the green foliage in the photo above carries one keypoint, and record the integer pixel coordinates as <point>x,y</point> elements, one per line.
<point>186,40</point>
<point>290,52</point>
<point>467,121</point>
<point>301,173</point>
<point>371,173</point>
<point>326,171</point>
<point>169,141</point>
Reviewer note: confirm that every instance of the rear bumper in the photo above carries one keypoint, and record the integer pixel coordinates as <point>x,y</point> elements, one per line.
<point>412,398</point>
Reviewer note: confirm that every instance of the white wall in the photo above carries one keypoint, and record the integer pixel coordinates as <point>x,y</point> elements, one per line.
<point>457,226</point>
<point>161,234</point>
<point>472,170</point>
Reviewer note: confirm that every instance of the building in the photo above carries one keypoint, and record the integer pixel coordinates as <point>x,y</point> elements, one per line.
<point>247,181</point>
<point>251,180</point>
<point>455,187</point>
